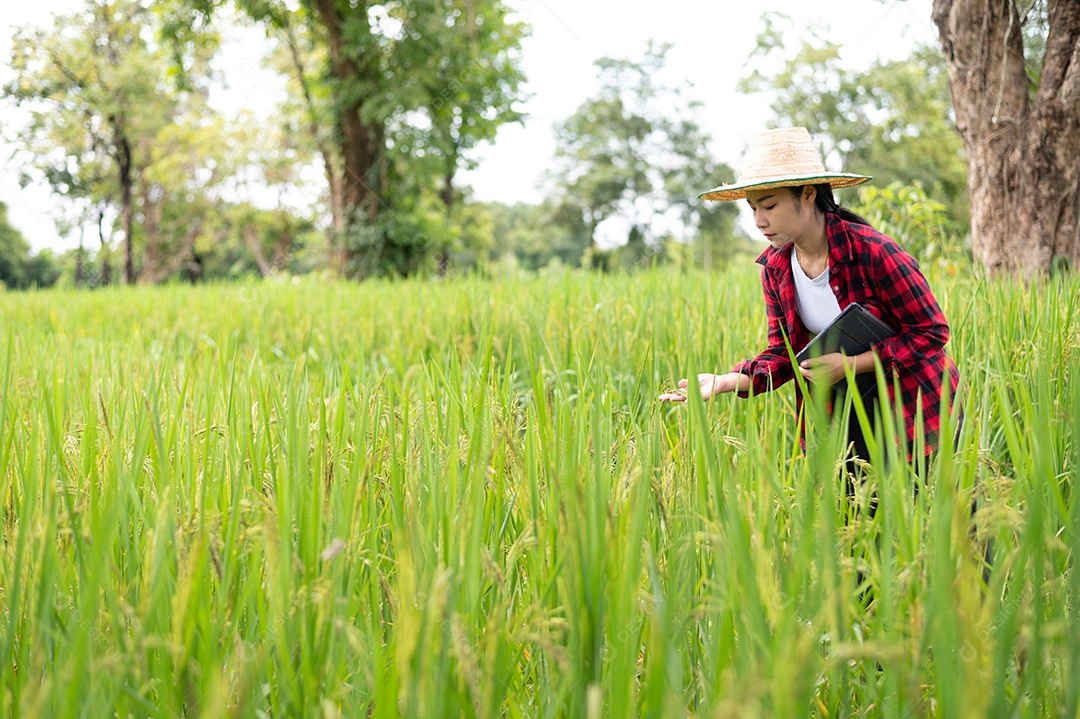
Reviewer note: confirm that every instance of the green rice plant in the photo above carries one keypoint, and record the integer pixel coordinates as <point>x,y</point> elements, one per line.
<point>461,498</point>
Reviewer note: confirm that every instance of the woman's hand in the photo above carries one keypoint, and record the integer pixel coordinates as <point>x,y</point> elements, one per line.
<point>709,384</point>
<point>825,370</point>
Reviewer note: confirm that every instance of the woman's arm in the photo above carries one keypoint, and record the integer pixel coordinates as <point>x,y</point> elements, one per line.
<point>710,385</point>
<point>772,367</point>
<point>908,303</point>
<point>769,370</point>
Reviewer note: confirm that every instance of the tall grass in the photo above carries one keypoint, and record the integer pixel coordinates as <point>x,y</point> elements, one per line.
<point>462,499</point>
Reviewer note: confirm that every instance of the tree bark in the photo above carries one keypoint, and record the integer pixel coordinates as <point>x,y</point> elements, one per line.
<point>106,274</point>
<point>281,249</point>
<point>1023,173</point>
<point>446,194</point>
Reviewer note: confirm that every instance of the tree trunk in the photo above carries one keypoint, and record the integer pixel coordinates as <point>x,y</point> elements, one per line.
<point>80,258</point>
<point>104,251</point>
<point>118,122</point>
<point>151,225</point>
<point>255,244</point>
<point>1023,173</point>
<point>360,144</point>
<point>447,197</point>
<point>123,161</point>
<point>281,250</point>
<point>333,178</point>
<point>447,192</point>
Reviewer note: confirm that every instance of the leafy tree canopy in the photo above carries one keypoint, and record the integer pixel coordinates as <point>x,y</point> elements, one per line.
<point>635,151</point>
<point>893,120</point>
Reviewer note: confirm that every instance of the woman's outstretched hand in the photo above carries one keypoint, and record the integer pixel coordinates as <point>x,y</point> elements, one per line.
<point>709,384</point>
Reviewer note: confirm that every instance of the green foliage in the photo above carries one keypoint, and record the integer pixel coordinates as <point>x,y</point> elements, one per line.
<point>242,240</point>
<point>474,244</point>
<point>120,126</point>
<point>918,222</point>
<point>458,74</point>
<point>112,136</point>
<point>461,499</point>
<point>42,269</point>
<point>395,245</point>
<point>636,151</point>
<point>395,96</point>
<point>533,237</point>
<point>14,251</point>
<point>20,269</point>
<point>539,235</point>
<point>80,268</point>
<point>464,60</point>
<point>90,84</point>
<point>892,120</point>
<point>718,240</point>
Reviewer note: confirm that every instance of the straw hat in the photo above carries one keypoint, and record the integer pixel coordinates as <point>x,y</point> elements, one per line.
<point>782,158</point>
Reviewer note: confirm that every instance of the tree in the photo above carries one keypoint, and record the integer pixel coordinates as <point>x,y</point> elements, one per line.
<point>1018,113</point>
<point>885,121</point>
<point>470,85</point>
<point>123,138</point>
<point>240,239</point>
<point>99,105</point>
<point>539,235</point>
<point>718,239</point>
<point>357,54</point>
<point>180,172</point>
<point>635,151</point>
<point>395,94</point>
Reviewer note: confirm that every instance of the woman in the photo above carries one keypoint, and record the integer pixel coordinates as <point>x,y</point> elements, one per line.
<point>821,259</point>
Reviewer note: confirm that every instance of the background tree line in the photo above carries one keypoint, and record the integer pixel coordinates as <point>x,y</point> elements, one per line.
<point>387,101</point>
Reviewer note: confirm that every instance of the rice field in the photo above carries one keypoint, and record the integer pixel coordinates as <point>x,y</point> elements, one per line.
<point>461,499</point>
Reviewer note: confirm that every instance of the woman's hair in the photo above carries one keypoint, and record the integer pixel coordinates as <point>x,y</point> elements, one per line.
<point>825,202</point>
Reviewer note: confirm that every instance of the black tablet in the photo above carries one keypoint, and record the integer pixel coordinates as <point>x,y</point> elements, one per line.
<point>852,332</point>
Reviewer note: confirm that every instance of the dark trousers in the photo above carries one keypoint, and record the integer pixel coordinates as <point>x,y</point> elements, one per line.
<point>858,441</point>
<point>860,451</point>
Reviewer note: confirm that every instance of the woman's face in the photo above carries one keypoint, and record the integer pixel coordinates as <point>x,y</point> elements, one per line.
<point>781,216</point>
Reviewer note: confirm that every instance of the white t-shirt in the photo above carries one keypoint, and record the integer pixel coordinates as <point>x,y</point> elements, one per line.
<point>814,299</point>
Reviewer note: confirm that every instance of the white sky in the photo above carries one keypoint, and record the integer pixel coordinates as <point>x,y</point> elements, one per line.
<point>712,41</point>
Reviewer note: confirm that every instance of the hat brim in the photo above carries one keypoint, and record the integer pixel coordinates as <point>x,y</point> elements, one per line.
<point>738,191</point>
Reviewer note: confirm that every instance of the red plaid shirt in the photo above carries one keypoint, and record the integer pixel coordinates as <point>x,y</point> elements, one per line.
<point>867,267</point>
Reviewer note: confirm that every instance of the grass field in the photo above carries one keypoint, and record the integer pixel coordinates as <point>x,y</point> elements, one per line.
<point>461,499</point>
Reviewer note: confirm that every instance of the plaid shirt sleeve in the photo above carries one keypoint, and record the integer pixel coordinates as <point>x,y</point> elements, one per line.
<point>772,367</point>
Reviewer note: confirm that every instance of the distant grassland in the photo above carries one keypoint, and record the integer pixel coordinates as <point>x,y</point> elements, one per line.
<point>461,499</point>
